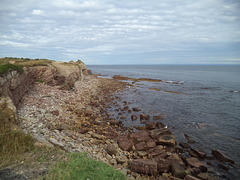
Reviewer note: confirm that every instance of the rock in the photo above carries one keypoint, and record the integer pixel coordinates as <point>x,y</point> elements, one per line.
<point>122,159</point>
<point>83,130</point>
<point>164,165</point>
<point>142,153</point>
<point>177,170</point>
<point>159,132</point>
<point>158,150</point>
<point>125,143</point>
<point>184,145</point>
<point>140,136</point>
<point>176,158</point>
<point>7,110</point>
<point>160,125</point>
<point>144,117</point>
<point>113,162</point>
<point>194,162</point>
<point>151,125</point>
<point>114,122</point>
<point>221,157</point>
<point>111,149</point>
<point>190,140</point>
<point>203,176</point>
<point>157,117</point>
<point>197,153</point>
<point>140,146</point>
<point>125,108</point>
<point>189,177</point>
<point>55,113</point>
<point>145,166</point>
<point>151,144</point>
<point>136,109</point>
<point>97,136</point>
<point>168,140</point>
<point>122,117</point>
<point>56,142</point>
<point>134,117</point>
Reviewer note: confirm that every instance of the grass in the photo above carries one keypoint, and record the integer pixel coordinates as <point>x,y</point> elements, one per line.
<point>13,143</point>
<point>25,62</point>
<point>4,68</point>
<point>80,167</point>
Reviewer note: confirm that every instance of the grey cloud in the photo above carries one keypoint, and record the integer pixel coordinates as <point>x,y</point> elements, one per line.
<point>95,28</point>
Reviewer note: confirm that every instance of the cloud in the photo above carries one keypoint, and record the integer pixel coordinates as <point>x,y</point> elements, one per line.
<point>37,12</point>
<point>73,28</point>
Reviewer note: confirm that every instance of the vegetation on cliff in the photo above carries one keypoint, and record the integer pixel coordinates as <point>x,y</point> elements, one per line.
<point>4,68</point>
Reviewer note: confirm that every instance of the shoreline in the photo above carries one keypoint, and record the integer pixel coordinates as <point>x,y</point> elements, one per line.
<point>78,122</point>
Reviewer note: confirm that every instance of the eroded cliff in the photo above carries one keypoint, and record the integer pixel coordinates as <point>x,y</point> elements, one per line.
<point>14,84</point>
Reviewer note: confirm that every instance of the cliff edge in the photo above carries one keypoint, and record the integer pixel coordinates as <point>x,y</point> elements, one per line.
<point>18,75</point>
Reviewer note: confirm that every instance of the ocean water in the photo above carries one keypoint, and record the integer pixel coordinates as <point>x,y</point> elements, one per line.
<point>202,101</point>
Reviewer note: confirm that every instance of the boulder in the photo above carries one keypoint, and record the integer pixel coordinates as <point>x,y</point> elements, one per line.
<point>158,150</point>
<point>125,143</point>
<point>194,162</point>
<point>197,153</point>
<point>140,146</point>
<point>140,136</point>
<point>157,117</point>
<point>221,157</point>
<point>150,144</point>
<point>134,117</point>
<point>144,117</point>
<point>160,125</point>
<point>164,165</point>
<point>168,140</point>
<point>159,132</point>
<point>125,108</point>
<point>7,110</point>
<point>111,149</point>
<point>177,170</point>
<point>145,166</point>
<point>136,109</point>
<point>189,139</point>
<point>184,145</point>
<point>176,158</point>
<point>151,125</point>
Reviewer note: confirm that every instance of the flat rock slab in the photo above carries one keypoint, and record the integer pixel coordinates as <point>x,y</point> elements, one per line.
<point>221,157</point>
<point>145,166</point>
<point>194,162</point>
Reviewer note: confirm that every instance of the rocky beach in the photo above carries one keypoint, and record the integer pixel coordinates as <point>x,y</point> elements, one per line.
<point>63,105</point>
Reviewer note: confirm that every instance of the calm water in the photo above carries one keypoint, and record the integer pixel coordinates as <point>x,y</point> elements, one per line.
<point>207,108</point>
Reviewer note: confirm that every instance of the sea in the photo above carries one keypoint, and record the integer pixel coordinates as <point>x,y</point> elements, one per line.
<point>202,101</point>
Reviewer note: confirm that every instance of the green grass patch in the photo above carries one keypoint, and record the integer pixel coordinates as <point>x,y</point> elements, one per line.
<point>4,68</point>
<point>40,81</point>
<point>13,143</point>
<point>80,167</point>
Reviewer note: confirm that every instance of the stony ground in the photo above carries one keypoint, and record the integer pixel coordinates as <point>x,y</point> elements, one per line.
<point>76,121</point>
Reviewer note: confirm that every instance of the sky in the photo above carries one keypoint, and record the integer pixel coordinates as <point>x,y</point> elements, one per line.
<point>122,31</point>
